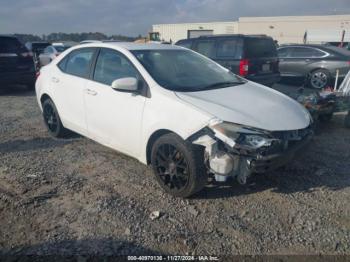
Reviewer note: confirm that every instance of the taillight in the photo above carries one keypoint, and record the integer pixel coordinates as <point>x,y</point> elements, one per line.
<point>243,67</point>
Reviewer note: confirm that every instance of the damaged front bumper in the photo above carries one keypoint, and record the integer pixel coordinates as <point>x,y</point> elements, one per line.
<point>263,164</point>
<point>226,157</point>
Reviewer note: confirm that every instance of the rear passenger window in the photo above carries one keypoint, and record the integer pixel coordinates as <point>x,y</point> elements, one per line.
<point>111,66</point>
<point>79,61</point>
<point>62,64</point>
<point>205,48</point>
<point>317,53</point>
<point>300,52</point>
<point>229,48</point>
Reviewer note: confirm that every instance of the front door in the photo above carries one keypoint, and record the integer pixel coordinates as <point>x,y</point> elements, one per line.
<point>114,118</point>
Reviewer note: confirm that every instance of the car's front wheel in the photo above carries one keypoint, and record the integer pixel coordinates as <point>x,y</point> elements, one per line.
<point>52,119</point>
<point>178,165</point>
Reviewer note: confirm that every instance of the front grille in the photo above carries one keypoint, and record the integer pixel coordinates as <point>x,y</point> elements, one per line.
<point>293,135</point>
<point>288,139</point>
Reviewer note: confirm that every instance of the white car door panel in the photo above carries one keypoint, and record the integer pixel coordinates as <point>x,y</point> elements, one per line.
<point>71,107</point>
<point>70,84</point>
<point>114,118</point>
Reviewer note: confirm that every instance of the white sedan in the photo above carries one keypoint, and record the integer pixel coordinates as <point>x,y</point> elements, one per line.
<point>170,107</point>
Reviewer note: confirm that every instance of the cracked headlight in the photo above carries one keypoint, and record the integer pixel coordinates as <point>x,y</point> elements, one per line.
<point>233,134</point>
<point>255,141</point>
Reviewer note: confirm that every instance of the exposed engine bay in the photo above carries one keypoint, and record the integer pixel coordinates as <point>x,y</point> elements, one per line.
<point>233,150</point>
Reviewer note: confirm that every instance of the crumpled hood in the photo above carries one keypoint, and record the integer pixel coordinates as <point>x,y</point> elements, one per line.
<point>252,105</point>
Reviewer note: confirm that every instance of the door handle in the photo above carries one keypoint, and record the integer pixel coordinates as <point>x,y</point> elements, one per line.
<point>90,92</point>
<point>55,80</point>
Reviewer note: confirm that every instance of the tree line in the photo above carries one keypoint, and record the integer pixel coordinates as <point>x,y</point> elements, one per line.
<point>75,37</point>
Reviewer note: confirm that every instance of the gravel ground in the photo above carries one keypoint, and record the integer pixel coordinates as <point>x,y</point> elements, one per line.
<point>74,196</point>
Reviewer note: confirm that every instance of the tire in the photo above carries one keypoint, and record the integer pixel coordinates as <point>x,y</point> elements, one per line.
<point>319,79</point>
<point>52,119</point>
<point>178,166</point>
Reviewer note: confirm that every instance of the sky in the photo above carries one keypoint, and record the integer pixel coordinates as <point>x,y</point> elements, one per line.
<point>134,17</point>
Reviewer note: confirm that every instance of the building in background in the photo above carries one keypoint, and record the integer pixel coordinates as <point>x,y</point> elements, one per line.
<point>284,29</point>
<point>175,32</point>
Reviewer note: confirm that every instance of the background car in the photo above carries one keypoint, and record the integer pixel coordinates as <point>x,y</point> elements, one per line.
<point>36,48</point>
<point>16,63</point>
<point>314,64</point>
<point>251,56</point>
<point>51,52</point>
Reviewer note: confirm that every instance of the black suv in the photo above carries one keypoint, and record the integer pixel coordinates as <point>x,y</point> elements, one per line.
<point>251,56</point>
<point>16,63</point>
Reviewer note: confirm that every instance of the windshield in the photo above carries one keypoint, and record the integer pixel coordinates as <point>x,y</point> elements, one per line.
<point>184,70</point>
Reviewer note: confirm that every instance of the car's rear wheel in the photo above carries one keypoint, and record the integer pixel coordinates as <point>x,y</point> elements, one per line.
<point>319,79</point>
<point>178,165</point>
<point>52,119</point>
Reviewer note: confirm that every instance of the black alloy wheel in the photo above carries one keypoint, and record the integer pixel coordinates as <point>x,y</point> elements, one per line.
<point>178,165</point>
<point>172,167</point>
<point>52,119</point>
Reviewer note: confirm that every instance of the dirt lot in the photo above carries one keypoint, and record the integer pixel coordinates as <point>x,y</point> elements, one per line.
<point>74,196</point>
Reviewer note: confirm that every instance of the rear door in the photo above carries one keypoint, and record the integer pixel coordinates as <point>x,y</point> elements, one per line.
<point>229,52</point>
<point>69,82</point>
<point>298,60</point>
<point>262,55</point>
<point>283,54</point>
<point>14,57</point>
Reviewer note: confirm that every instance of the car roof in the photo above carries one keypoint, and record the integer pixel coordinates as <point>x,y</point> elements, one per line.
<point>8,36</point>
<point>304,45</point>
<point>326,48</point>
<point>232,35</point>
<point>134,46</point>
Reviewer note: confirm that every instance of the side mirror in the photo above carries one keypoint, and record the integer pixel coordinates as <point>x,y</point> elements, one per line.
<point>127,84</point>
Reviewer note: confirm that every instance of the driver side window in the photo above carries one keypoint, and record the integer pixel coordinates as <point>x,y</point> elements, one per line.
<point>112,65</point>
